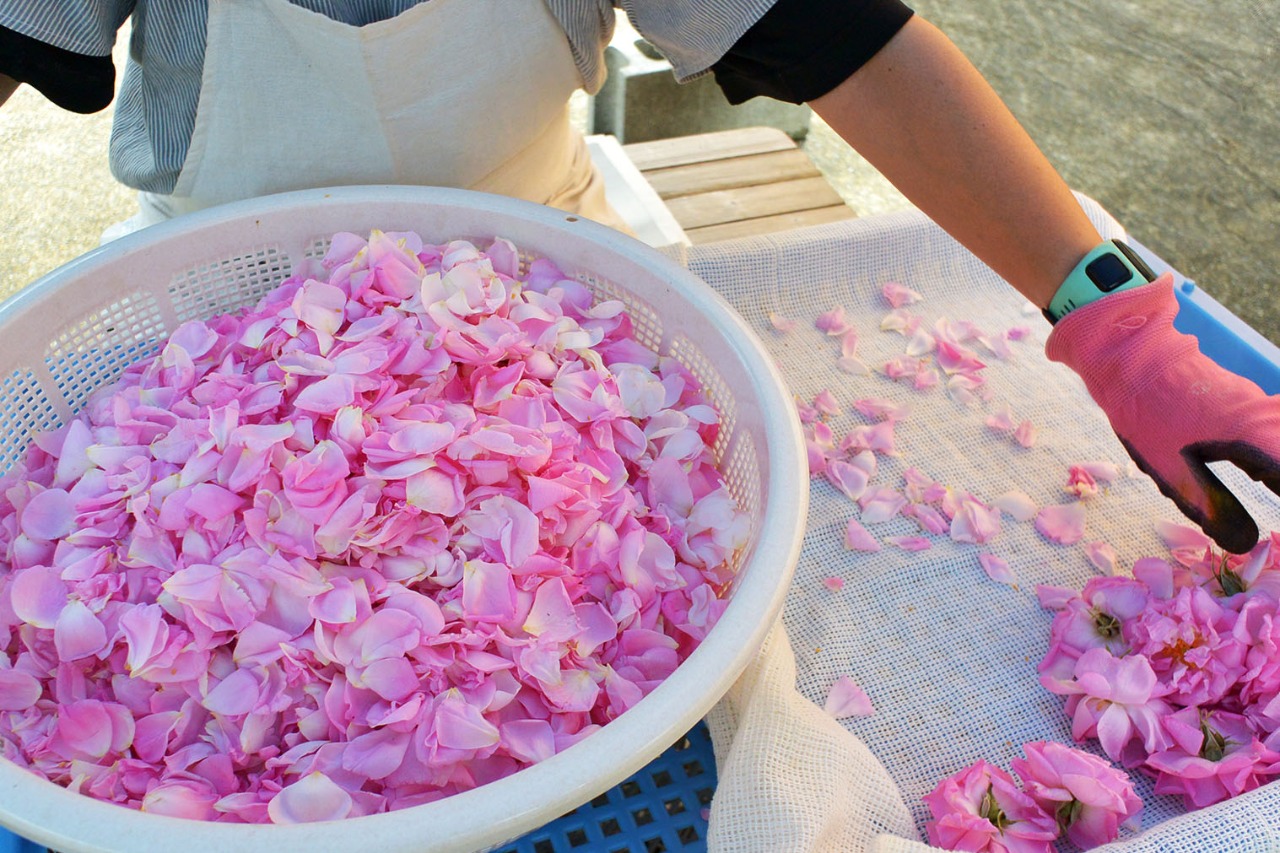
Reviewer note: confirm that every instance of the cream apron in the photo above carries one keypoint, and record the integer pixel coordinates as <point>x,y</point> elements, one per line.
<point>461,93</point>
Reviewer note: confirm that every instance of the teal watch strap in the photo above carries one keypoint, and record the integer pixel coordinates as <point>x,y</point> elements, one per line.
<point>1110,268</point>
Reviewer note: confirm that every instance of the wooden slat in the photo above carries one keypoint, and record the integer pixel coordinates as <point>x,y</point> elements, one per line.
<point>732,173</point>
<point>714,208</point>
<point>769,224</point>
<point>678,151</point>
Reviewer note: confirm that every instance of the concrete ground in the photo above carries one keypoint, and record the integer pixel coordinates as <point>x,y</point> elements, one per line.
<point>1166,111</point>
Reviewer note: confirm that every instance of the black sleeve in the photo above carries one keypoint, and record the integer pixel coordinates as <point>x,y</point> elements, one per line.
<point>802,49</point>
<point>73,81</point>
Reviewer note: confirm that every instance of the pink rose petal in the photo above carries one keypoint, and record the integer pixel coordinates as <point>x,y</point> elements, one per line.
<point>314,797</point>
<point>880,504</point>
<point>1102,555</point>
<point>78,633</point>
<point>1026,434</point>
<point>781,324</point>
<point>1002,420</point>
<point>910,543</point>
<point>460,725</point>
<point>1054,597</point>
<point>847,699</point>
<point>1182,536</point>
<point>18,690</point>
<point>826,403</point>
<point>997,569</point>
<point>853,366</point>
<point>878,409</point>
<point>38,596</point>
<point>898,295</point>
<point>858,538</point>
<point>1017,505</point>
<point>49,515</point>
<point>1063,524</point>
<point>833,322</point>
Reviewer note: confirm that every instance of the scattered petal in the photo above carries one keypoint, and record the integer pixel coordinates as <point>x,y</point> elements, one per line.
<point>858,538</point>
<point>781,324</point>
<point>997,569</point>
<point>1001,420</point>
<point>1054,597</point>
<point>1102,555</point>
<point>898,295</point>
<point>853,366</point>
<point>833,322</point>
<point>1062,523</point>
<point>1017,505</point>
<point>847,699</point>
<point>1026,434</point>
<point>910,543</point>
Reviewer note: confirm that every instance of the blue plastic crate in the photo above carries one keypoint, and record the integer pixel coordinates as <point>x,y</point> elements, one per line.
<point>1226,339</point>
<point>10,843</point>
<point>661,809</point>
<point>1223,336</point>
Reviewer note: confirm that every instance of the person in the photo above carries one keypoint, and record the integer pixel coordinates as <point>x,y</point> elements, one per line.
<point>236,98</point>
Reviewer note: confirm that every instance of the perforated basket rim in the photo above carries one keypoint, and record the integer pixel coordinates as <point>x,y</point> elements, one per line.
<point>508,807</point>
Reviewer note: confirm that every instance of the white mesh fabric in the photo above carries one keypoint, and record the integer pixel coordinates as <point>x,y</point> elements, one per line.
<point>947,656</point>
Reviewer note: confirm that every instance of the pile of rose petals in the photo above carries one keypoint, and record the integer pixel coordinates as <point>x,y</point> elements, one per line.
<point>397,532</point>
<point>1176,671</point>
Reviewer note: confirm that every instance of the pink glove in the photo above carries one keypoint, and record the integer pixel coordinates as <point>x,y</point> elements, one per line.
<point>1172,407</point>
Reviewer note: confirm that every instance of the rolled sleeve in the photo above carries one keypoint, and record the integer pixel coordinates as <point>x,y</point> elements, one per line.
<point>62,49</point>
<point>693,36</point>
<point>802,49</point>
<point>87,28</point>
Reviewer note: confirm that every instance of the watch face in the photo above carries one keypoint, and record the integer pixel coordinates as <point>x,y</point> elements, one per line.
<point>1108,272</point>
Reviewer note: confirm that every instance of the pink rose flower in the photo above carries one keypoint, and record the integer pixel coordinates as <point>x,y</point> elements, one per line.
<point>1081,483</point>
<point>981,810</point>
<point>1118,701</point>
<point>1213,755</point>
<point>1088,797</point>
<point>1188,641</point>
<point>1094,619</point>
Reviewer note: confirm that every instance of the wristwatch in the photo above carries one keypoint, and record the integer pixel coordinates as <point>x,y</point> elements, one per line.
<point>1109,268</point>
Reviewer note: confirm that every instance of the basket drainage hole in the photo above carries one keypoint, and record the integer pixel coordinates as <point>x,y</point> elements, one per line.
<point>662,778</point>
<point>693,768</point>
<point>687,835</point>
<point>655,845</point>
<point>577,838</point>
<point>674,806</point>
<point>630,788</point>
<point>610,827</point>
<point>542,845</point>
<point>705,795</point>
<point>602,800</point>
<point>642,816</point>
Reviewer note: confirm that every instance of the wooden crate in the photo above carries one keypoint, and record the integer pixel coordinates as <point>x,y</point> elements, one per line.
<point>737,183</point>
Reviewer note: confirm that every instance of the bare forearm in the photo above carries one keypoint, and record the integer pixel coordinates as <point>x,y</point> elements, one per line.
<point>7,85</point>
<point>924,116</point>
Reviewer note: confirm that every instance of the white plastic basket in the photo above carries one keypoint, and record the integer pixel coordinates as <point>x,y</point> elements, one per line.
<point>79,326</point>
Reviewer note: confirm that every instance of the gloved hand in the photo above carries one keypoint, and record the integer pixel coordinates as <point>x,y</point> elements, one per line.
<point>1173,408</point>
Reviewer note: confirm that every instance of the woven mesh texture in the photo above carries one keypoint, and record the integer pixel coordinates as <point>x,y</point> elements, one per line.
<point>947,656</point>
